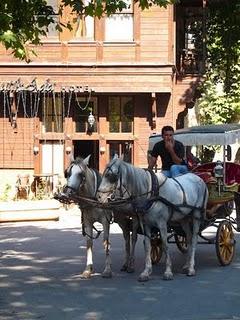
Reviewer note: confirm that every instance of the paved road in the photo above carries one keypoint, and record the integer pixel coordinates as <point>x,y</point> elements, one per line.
<point>41,263</point>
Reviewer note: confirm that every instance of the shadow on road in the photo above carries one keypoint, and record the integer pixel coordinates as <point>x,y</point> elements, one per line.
<point>40,270</point>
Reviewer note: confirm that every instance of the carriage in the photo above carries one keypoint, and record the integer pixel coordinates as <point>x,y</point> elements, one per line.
<point>222,178</point>
<point>166,210</point>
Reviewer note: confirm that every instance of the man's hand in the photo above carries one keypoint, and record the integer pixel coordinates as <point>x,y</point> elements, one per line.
<point>151,162</point>
<point>169,145</point>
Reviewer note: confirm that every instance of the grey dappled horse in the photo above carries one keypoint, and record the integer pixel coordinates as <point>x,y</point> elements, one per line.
<point>182,199</point>
<point>84,181</point>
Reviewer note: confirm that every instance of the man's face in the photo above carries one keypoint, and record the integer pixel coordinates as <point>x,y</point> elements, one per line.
<point>168,136</point>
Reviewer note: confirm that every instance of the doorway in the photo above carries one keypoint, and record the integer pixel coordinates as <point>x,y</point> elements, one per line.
<point>124,148</point>
<point>82,148</point>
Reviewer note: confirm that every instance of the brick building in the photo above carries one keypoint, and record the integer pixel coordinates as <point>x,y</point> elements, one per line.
<point>100,89</point>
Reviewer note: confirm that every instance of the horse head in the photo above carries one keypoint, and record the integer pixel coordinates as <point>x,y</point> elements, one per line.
<point>111,186</point>
<point>75,175</point>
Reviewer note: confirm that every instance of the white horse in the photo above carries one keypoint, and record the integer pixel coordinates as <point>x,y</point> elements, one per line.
<point>182,199</point>
<point>84,181</point>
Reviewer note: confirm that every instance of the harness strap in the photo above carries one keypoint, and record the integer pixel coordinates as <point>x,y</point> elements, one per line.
<point>184,194</point>
<point>97,180</point>
<point>177,206</point>
<point>155,184</point>
<point>84,233</point>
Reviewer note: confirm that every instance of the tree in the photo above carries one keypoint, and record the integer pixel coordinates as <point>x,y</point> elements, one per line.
<point>24,22</point>
<point>220,99</point>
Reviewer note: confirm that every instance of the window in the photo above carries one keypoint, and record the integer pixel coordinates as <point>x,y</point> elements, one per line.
<point>52,33</point>
<point>119,26</point>
<point>124,148</point>
<point>190,40</point>
<point>52,113</point>
<point>120,114</point>
<point>84,106</point>
<point>83,27</point>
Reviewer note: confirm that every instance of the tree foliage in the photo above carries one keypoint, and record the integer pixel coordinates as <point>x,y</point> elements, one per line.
<point>24,22</point>
<point>220,100</point>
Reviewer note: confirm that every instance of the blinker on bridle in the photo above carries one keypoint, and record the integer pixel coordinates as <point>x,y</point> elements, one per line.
<point>113,178</point>
<point>67,174</point>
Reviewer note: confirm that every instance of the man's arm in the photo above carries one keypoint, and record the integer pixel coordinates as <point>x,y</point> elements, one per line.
<point>169,145</point>
<point>175,158</point>
<point>151,162</point>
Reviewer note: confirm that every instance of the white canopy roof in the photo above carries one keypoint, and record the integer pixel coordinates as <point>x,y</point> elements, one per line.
<point>220,134</point>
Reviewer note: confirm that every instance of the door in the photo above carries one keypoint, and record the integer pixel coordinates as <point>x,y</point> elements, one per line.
<point>124,148</point>
<point>52,160</point>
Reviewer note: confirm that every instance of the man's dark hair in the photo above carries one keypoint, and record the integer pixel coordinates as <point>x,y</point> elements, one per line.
<point>167,128</point>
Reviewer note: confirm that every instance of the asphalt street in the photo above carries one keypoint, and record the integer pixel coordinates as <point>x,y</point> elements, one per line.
<point>40,269</point>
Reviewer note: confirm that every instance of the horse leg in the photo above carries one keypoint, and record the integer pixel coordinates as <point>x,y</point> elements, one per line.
<point>89,265</point>
<point>126,235</point>
<point>186,226</point>
<point>131,262</point>
<point>168,275</point>
<point>144,276</point>
<point>196,227</point>
<point>107,273</point>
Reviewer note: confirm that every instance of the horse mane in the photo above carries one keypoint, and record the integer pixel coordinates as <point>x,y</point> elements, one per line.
<point>133,175</point>
<point>77,161</point>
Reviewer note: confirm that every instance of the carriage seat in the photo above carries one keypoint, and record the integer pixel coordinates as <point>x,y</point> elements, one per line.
<point>206,176</point>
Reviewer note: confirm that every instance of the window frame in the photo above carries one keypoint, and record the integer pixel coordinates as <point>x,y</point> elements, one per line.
<point>120,114</point>
<point>129,11</point>
<point>55,118</point>
<point>55,37</point>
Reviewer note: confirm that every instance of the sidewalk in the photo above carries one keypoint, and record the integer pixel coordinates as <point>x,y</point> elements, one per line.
<point>29,210</point>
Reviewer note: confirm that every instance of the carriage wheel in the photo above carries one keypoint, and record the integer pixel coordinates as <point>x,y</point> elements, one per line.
<point>156,250</point>
<point>181,242</point>
<point>225,243</point>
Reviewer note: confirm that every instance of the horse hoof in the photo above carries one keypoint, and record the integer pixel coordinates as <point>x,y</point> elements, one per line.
<point>191,273</point>
<point>168,276</point>
<point>143,278</point>
<point>86,274</point>
<point>184,270</point>
<point>124,268</point>
<point>130,270</point>
<point>107,274</point>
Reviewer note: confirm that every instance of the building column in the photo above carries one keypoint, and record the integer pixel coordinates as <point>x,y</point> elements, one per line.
<point>154,111</point>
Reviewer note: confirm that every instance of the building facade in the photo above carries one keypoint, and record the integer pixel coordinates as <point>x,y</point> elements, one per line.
<point>101,88</point>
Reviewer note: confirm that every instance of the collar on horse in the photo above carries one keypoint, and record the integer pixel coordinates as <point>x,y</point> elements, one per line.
<point>143,205</point>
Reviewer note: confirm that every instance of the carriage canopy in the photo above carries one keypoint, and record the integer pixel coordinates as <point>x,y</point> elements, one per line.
<point>220,134</point>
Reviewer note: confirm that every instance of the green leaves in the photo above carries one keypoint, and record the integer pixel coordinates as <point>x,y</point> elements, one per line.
<point>223,48</point>
<point>24,22</point>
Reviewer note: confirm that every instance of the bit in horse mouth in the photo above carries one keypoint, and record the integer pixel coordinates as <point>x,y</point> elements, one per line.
<point>63,198</point>
<point>111,198</point>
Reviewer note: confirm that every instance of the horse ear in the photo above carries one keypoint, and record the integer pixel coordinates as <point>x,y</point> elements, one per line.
<point>115,156</point>
<point>86,160</point>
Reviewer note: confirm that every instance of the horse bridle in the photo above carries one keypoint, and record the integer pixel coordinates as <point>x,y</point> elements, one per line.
<point>114,178</point>
<point>83,176</point>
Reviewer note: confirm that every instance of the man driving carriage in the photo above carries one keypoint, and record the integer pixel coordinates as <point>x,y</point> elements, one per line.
<point>171,152</point>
